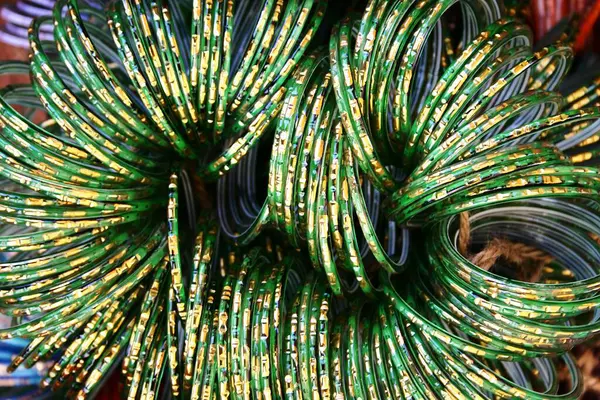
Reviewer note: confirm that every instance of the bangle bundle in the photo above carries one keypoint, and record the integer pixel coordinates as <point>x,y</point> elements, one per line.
<point>314,198</point>
<point>323,156</point>
<point>475,142</point>
<point>583,150</point>
<point>495,93</point>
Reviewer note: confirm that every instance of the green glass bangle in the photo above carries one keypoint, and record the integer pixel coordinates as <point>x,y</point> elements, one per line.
<point>310,134</point>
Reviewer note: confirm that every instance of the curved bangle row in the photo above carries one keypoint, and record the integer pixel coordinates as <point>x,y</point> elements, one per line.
<point>377,106</point>
<point>314,191</point>
<point>274,328</point>
<point>481,314</point>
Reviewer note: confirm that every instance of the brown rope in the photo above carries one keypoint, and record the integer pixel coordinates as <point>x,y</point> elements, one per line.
<point>528,260</point>
<point>464,234</point>
<point>588,364</point>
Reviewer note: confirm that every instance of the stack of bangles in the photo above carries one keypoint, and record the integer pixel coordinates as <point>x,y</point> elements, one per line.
<point>420,159</point>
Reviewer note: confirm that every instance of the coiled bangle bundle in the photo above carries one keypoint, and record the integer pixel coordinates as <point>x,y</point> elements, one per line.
<point>541,307</point>
<point>473,313</point>
<point>100,177</point>
<point>473,109</point>
<point>397,126</point>
<point>91,179</point>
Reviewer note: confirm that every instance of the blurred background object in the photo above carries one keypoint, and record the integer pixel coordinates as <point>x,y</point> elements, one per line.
<point>544,15</point>
<point>9,50</point>
<point>22,384</point>
<point>16,17</point>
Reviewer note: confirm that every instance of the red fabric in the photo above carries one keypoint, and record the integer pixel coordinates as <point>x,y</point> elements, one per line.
<point>545,14</point>
<point>587,26</point>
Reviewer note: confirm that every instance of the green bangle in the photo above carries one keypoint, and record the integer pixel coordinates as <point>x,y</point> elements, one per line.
<point>311,135</point>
